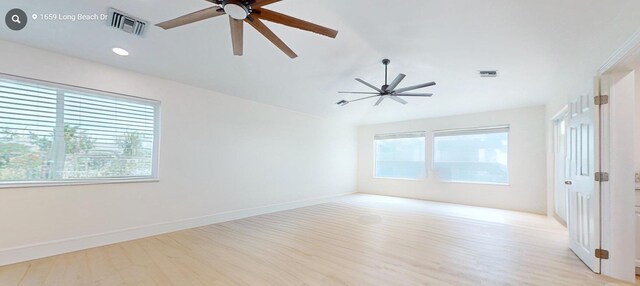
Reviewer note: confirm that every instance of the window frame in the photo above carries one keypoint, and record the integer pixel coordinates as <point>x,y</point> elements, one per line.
<point>398,135</point>
<point>155,165</point>
<point>474,131</point>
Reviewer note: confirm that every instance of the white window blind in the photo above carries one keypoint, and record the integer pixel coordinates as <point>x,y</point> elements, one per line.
<point>400,155</point>
<point>55,133</point>
<point>472,155</point>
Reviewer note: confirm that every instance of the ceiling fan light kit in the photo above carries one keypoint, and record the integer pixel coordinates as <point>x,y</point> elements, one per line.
<point>251,12</point>
<point>388,90</point>
<point>235,9</point>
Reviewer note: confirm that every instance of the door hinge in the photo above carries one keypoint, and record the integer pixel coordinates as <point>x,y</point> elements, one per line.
<point>601,99</point>
<point>602,176</point>
<point>602,254</point>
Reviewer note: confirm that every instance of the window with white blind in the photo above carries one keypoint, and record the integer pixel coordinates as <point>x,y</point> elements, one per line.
<point>52,133</point>
<point>400,156</point>
<point>472,155</point>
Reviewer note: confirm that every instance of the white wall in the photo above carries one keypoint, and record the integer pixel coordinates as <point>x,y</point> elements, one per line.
<point>527,163</point>
<point>218,154</point>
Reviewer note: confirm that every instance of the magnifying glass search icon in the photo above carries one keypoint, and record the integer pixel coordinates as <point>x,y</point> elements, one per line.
<point>16,19</point>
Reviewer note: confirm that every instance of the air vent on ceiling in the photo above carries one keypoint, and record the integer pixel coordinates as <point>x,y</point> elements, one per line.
<point>126,23</point>
<point>489,73</point>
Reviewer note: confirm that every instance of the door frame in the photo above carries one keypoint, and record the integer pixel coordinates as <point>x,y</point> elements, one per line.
<point>618,210</point>
<point>562,114</point>
<point>617,158</point>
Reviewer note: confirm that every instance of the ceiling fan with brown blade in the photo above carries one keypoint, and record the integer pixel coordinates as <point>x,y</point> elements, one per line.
<point>388,90</point>
<point>252,12</point>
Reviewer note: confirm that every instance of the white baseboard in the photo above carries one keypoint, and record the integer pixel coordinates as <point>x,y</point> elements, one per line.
<point>50,248</point>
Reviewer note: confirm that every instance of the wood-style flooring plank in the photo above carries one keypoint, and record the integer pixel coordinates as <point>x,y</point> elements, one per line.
<point>357,240</point>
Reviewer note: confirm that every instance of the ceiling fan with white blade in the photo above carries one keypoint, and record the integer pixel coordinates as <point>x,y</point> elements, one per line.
<point>388,90</point>
<point>253,13</point>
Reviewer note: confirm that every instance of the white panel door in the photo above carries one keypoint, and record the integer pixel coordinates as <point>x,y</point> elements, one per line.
<point>584,217</point>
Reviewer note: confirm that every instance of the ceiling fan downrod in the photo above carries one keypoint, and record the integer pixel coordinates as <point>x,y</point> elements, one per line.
<point>386,63</point>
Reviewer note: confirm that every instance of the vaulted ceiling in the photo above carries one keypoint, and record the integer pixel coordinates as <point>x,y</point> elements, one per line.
<point>542,49</point>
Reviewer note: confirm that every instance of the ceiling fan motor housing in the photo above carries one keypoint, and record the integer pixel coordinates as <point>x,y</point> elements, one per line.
<point>236,9</point>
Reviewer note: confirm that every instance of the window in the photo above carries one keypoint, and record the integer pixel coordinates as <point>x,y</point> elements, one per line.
<point>400,156</point>
<point>477,155</point>
<point>54,133</point>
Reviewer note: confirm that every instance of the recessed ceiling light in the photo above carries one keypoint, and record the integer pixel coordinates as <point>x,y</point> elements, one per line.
<point>120,52</point>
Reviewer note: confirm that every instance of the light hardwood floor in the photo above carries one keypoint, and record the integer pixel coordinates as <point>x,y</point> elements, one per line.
<point>358,240</point>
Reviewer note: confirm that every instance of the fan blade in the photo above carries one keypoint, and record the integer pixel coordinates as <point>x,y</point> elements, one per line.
<point>398,99</point>
<point>267,33</point>
<point>260,3</point>
<point>363,98</point>
<point>192,17</point>
<point>379,101</point>
<point>358,92</point>
<point>237,35</point>
<point>414,94</point>
<point>287,20</point>
<point>396,82</point>
<point>415,87</point>
<point>370,85</point>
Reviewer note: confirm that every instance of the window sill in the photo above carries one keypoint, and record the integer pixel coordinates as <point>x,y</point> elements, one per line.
<point>399,179</point>
<point>13,185</point>
<point>476,183</point>
<point>447,182</point>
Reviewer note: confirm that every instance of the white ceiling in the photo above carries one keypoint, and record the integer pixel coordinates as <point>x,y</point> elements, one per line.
<point>542,49</point>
